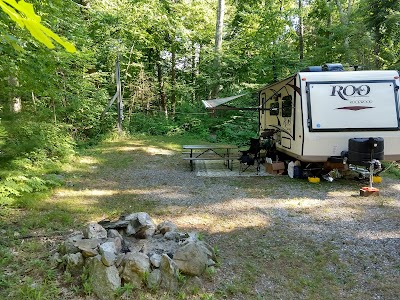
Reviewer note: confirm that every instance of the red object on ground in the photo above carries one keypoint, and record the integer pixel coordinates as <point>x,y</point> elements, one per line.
<point>369,191</point>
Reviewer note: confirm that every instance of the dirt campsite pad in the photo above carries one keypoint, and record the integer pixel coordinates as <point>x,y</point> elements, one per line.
<point>277,238</point>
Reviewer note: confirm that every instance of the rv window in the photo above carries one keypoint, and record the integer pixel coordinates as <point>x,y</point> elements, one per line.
<point>274,109</point>
<point>287,106</point>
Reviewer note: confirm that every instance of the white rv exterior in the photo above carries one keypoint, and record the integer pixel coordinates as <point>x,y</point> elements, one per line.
<point>316,113</point>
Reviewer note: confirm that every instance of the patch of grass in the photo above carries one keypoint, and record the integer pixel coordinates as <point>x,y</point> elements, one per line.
<point>127,289</point>
<point>392,169</point>
<point>37,290</point>
<point>87,282</point>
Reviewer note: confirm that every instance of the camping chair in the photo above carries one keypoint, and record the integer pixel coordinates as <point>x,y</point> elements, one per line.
<point>250,157</point>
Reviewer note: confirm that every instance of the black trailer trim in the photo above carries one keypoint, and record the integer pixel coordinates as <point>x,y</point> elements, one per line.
<point>290,142</point>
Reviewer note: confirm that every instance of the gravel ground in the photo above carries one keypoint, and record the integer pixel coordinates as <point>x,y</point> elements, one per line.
<point>297,240</point>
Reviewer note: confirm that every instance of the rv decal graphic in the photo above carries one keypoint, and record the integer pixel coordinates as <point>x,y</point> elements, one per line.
<point>355,107</point>
<point>350,91</point>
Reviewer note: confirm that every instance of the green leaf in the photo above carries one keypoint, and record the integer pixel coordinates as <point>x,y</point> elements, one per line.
<point>24,15</point>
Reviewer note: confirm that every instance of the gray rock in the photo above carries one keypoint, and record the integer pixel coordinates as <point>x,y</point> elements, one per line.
<point>205,247</point>
<point>192,237</point>
<point>120,224</point>
<point>140,225</point>
<point>107,247</point>
<point>172,236</point>
<point>74,262</point>
<point>95,231</point>
<point>192,258</point>
<point>131,217</point>
<point>211,263</point>
<point>55,260</point>
<point>166,226</point>
<point>104,280</point>
<point>86,244</point>
<point>89,252</point>
<point>108,258</point>
<point>136,266</point>
<point>117,241</point>
<point>195,284</point>
<point>112,233</point>
<point>108,253</point>
<point>120,258</point>
<point>69,245</point>
<point>154,279</point>
<point>169,273</point>
<point>130,230</point>
<point>155,260</point>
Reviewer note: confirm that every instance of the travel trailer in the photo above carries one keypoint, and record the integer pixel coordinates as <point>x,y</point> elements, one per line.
<point>326,114</point>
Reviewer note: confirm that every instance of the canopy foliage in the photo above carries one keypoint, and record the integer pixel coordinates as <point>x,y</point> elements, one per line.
<point>165,48</point>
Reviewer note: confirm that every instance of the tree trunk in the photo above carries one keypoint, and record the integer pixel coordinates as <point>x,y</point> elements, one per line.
<point>377,50</point>
<point>219,26</point>
<point>344,19</point>
<point>163,98</point>
<point>14,100</point>
<point>193,72</point>
<point>301,31</point>
<point>173,80</point>
<point>218,47</point>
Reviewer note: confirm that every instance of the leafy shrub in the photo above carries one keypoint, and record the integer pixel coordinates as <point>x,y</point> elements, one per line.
<point>38,140</point>
<point>237,130</point>
<point>230,128</point>
<point>159,125</point>
<point>15,186</point>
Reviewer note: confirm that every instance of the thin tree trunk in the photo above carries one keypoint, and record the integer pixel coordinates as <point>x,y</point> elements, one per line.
<point>377,50</point>
<point>219,26</point>
<point>344,19</point>
<point>301,31</point>
<point>163,98</point>
<point>218,47</point>
<point>173,80</point>
<point>15,101</point>
<point>193,72</point>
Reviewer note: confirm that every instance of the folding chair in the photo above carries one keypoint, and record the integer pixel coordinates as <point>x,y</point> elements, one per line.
<point>251,157</point>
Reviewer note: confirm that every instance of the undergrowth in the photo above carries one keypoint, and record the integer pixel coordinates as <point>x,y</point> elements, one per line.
<point>15,186</point>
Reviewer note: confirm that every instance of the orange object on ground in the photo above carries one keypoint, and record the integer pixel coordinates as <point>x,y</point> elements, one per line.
<point>369,191</point>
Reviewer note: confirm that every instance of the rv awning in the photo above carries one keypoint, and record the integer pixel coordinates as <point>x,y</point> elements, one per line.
<point>213,103</point>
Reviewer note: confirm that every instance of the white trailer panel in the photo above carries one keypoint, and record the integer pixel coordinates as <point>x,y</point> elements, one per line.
<point>352,105</point>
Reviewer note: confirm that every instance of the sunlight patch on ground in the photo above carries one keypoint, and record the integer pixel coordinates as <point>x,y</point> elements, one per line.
<point>303,202</point>
<point>396,187</point>
<point>382,235</point>
<point>158,151</point>
<point>87,160</point>
<point>86,193</point>
<point>344,193</point>
<point>166,193</point>
<point>218,224</point>
<point>149,150</point>
<point>225,217</point>
<point>311,207</point>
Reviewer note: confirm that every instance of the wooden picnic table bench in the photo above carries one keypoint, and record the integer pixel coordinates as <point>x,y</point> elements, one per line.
<point>210,152</point>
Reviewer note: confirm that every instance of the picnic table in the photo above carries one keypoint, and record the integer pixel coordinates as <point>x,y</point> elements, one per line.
<point>210,152</point>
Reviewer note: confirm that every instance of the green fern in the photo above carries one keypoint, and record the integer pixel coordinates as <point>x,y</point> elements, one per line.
<point>13,187</point>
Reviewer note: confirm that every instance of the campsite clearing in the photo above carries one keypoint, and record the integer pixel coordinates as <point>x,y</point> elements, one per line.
<point>277,238</point>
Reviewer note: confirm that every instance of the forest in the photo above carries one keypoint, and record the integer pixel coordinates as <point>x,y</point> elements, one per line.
<point>97,98</point>
<point>61,92</point>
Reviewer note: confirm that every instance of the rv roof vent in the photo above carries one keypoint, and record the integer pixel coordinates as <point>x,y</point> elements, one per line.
<point>332,67</point>
<point>312,69</point>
